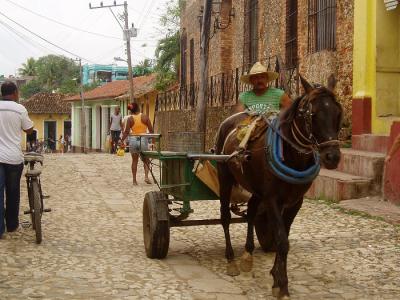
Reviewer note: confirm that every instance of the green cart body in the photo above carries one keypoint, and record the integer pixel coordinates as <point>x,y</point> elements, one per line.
<point>177,183</point>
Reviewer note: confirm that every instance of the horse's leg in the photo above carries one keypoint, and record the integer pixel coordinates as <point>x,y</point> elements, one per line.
<point>290,213</point>
<point>279,271</point>
<point>288,216</point>
<point>226,184</point>
<point>246,261</point>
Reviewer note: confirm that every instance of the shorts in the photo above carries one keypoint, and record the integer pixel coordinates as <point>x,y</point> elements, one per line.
<point>137,144</point>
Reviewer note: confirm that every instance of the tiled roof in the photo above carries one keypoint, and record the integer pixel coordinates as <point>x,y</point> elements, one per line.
<point>114,89</point>
<point>145,86</point>
<point>47,103</point>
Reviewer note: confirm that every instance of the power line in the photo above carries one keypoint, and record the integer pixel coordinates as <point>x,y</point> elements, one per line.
<point>42,38</point>
<point>25,38</point>
<point>63,24</point>
<point>144,19</point>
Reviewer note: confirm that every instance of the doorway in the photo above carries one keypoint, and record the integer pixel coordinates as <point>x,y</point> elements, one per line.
<point>50,134</point>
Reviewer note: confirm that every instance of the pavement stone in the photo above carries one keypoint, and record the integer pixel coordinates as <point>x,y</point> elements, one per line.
<point>93,247</point>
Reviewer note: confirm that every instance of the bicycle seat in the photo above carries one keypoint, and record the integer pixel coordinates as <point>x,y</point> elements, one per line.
<point>33,173</point>
<point>33,157</point>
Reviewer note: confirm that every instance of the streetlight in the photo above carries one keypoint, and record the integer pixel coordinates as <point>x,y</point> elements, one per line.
<point>120,59</point>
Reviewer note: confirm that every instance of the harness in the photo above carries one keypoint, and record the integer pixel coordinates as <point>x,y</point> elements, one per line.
<point>304,143</point>
<point>274,159</point>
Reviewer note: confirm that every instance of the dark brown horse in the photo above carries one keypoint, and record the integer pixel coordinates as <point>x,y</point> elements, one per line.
<point>310,125</point>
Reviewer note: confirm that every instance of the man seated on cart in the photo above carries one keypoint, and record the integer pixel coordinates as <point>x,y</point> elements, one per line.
<point>262,98</point>
<point>137,124</point>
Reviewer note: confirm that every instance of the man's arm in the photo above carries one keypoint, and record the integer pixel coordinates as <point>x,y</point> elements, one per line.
<point>394,149</point>
<point>286,102</point>
<point>28,131</point>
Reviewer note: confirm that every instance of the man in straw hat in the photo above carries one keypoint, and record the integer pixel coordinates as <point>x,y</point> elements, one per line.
<point>262,98</point>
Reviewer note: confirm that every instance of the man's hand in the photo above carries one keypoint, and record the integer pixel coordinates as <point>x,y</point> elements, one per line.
<point>388,159</point>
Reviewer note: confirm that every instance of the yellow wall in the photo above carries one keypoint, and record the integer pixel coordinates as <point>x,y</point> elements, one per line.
<point>376,55</point>
<point>387,61</point>
<point>149,98</point>
<point>38,120</point>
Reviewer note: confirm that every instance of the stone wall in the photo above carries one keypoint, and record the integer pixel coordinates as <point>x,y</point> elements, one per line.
<point>184,121</point>
<point>227,46</point>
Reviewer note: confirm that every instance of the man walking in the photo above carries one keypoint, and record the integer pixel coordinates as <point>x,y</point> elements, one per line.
<point>13,120</point>
<point>115,128</point>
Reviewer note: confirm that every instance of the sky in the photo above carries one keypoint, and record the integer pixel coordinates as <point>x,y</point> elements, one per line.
<point>18,44</point>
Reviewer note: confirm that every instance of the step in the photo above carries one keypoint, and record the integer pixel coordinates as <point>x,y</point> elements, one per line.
<point>363,163</point>
<point>337,186</point>
<point>370,142</point>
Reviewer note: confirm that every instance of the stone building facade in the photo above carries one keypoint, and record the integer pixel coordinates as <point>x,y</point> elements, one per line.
<point>313,37</point>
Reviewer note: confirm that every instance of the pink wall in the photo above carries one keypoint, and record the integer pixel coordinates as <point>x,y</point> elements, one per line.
<point>392,176</point>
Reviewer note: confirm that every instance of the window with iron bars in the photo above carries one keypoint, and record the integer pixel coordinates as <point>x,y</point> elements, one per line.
<point>183,74</point>
<point>250,55</point>
<point>321,25</point>
<point>291,34</point>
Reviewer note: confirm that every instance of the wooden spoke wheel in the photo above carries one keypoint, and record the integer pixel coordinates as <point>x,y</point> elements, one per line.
<point>156,224</point>
<point>265,237</point>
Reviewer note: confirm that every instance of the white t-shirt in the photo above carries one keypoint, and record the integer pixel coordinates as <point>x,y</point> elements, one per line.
<point>13,119</point>
<point>115,122</point>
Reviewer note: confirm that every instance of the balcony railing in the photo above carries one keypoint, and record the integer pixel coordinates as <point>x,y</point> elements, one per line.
<point>224,88</point>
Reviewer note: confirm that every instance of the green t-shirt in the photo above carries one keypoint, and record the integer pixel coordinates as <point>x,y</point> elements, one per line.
<point>269,101</point>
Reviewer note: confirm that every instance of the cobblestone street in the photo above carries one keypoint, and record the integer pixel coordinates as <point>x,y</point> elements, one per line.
<point>93,247</point>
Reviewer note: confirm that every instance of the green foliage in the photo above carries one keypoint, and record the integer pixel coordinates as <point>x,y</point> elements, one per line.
<point>28,68</point>
<point>52,73</point>
<point>31,88</point>
<point>168,49</point>
<point>144,67</point>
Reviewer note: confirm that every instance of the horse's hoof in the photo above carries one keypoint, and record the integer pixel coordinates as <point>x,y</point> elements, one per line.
<point>284,298</point>
<point>233,269</point>
<point>276,291</point>
<point>246,262</point>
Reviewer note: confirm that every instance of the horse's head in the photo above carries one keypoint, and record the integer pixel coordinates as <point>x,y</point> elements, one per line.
<point>316,121</point>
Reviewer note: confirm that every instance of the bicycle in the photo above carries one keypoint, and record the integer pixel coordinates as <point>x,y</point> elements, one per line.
<point>35,195</point>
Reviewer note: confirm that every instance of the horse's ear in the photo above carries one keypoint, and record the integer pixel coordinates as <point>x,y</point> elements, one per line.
<point>332,82</point>
<point>307,87</point>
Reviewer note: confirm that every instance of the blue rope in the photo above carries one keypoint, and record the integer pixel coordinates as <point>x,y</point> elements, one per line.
<point>274,148</point>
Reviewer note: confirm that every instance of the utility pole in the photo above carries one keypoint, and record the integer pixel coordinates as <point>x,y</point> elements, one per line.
<point>127,33</point>
<point>203,84</point>
<point>83,119</point>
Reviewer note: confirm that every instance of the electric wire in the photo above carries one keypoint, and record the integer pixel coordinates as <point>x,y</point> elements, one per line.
<point>63,24</point>
<point>42,38</point>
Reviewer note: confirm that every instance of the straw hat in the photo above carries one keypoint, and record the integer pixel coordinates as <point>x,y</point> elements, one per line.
<point>258,68</point>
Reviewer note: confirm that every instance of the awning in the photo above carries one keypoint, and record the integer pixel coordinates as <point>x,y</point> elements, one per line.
<point>391,4</point>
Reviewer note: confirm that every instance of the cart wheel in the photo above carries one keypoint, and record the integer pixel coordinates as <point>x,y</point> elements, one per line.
<point>156,224</point>
<point>264,236</point>
<point>37,211</point>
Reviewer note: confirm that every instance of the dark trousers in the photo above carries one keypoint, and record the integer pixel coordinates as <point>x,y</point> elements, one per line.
<point>10,178</point>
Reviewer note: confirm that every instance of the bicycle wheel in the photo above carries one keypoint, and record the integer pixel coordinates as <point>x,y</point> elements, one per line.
<point>37,211</point>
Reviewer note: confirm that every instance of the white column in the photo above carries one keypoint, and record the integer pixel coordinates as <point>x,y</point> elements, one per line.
<point>105,123</point>
<point>87,120</point>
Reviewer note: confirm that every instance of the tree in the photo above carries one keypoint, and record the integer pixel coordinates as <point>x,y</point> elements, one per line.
<point>143,68</point>
<point>52,73</point>
<point>168,49</point>
<point>28,68</point>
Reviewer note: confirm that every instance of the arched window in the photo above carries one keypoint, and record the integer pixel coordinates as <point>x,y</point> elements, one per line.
<point>250,55</point>
<point>321,25</point>
<point>291,34</point>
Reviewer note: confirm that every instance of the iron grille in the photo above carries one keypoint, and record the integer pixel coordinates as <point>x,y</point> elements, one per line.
<point>321,25</point>
<point>291,33</point>
<point>250,55</point>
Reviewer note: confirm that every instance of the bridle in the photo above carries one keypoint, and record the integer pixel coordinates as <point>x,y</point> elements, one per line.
<point>307,140</point>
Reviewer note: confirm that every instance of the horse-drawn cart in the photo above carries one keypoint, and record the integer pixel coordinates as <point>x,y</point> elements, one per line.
<point>178,186</point>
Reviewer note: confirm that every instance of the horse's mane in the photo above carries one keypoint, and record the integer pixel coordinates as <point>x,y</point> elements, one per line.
<point>321,91</point>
